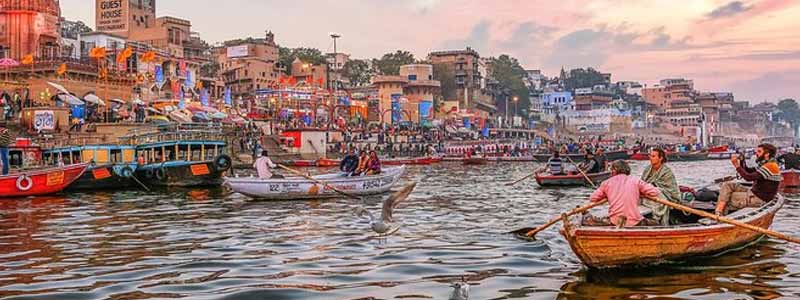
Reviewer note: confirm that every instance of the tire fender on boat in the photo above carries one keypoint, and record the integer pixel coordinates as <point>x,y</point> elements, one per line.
<point>222,162</point>
<point>160,174</point>
<point>24,183</point>
<point>149,173</point>
<point>127,172</point>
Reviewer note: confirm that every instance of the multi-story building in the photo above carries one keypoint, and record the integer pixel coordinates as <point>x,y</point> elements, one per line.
<point>249,64</point>
<point>310,74</point>
<point>589,99</point>
<point>555,102</point>
<point>469,72</point>
<point>597,121</point>
<point>669,91</point>
<point>30,28</point>
<point>409,96</point>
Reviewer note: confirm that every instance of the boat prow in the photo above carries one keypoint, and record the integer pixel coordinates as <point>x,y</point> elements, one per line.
<point>606,247</point>
<point>40,182</point>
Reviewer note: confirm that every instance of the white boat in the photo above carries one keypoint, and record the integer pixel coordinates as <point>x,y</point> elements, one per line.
<point>297,188</point>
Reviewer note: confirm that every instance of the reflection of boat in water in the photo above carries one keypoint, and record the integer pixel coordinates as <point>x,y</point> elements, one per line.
<point>295,188</point>
<point>112,166</point>
<point>181,155</point>
<point>604,246</point>
<point>40,181</point>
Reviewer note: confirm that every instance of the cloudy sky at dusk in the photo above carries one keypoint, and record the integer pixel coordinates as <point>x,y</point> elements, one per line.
<point>750,47</point>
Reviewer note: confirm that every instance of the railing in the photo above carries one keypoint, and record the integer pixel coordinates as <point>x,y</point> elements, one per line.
<point>176,132</point>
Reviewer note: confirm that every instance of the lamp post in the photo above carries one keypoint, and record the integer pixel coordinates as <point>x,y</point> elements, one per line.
<point>516,99</point>
<point>335,36</point>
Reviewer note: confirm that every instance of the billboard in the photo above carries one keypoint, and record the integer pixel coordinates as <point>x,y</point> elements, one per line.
<point>112,15</point>
<point>237,51</point>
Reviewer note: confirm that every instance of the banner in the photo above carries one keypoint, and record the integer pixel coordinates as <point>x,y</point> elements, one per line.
<point>204,97</point>
<point>425,109</point>
<point>44,120</point>
<point>396,109</point>
<point>237,51</point>
<point>467,123</point>
<point>228,99</point>
<point>159,74</point>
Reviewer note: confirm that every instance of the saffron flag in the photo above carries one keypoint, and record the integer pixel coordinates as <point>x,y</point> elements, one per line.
<point>27,60</point>
<point>149,56</point>
<point>98,52</point>
<point>199,85</point>
<point>292,80</point>
<point>124,55</point>
<point>62,69</point>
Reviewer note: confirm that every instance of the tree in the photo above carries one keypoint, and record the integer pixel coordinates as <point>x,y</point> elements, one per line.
<point>580,78</point>
<point>389,63</point>
<point>509,75</point>
<point>358,72</point>
<point>309,55</point>
<point>790,113</point>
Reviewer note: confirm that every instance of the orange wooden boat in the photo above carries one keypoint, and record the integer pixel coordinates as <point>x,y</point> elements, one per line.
<point>41,181</point>
<point>791,179</point>
<point>606,247</point>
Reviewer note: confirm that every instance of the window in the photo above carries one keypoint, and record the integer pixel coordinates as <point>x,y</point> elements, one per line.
<point>412,77</point>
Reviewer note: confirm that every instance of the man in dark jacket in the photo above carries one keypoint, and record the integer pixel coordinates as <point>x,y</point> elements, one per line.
<point>766,179</point>
<point>790,160</point>
<point>349,163</point>
<point>5,140</point>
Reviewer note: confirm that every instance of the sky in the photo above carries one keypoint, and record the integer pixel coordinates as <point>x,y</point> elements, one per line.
<point>749,47</point>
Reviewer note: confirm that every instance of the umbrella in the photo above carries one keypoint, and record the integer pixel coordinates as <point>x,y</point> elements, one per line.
<point>219,115</point>
<point>138,102</point>
<point>58,87</point>
<point>202,116</point>
<point>92,98</point>
<point>155,111</point>
<point>70,99</point>
<point>118,101</point>
<point>8,62</point>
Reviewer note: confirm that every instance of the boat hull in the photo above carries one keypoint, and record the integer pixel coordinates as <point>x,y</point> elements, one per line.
<point>40,182</point>
<point>607,247</point>
<point>181,174</point>
<point>299,188</point>
<point>696,156</point>
<point>791,179</point>
<point>571,180</point>
<point>110,176</point>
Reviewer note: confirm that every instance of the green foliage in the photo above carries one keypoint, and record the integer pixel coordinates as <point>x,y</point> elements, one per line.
<point>789,111</point>
<point>389,63</point>
<point>580,78</point>
<point>358,71</point>
<point>509,75</point>
<point>447,78</point>
<point>309,55</point>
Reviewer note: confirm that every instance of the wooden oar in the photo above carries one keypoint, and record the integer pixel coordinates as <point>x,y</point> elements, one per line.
<point>526,177</point>
<point>582,173</point>
<point>530,232</point>
<point>325,184</point>
<point>721,219</point>
<point>140,183</point>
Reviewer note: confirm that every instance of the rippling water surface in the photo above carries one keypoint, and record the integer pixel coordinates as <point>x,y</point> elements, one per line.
<point>208,244</point>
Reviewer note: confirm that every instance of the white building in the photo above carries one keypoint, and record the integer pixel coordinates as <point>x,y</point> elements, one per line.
<point>597,121</point>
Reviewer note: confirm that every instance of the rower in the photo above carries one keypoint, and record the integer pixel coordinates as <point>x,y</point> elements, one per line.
<point>555,164</point>
<point>766,177</point>
<point>263,165</point>
<point>623,193</point>
<point>590,165</point>
<point>791,159</point>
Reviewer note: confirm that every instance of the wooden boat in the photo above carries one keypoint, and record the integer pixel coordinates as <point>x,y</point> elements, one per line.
<point>301,163</point>
<point>791,179</point>
<point>183,155</point>
<point>687,156</point>
<point>617,155</point>
<point>512,158</point>
<point>571,180</point>
<point>640,156</point>
<point>40,182</point>
<point>721,155</point>
<point>297,188</point>
<point>606,246</point>
<point>579,157</point>
<point>473,161</point>
<point>111,166</point>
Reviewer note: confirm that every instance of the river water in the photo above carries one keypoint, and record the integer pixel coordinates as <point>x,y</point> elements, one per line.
<point>208,244</point>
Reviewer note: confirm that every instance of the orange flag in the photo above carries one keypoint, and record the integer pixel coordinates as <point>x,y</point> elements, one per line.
<point>149,56</point>
<point>98,52</point>
<point>124,55</point>
<point>199,85</point>
<point>103,73</point>
<point>27,59</point>
<point>62,69</point>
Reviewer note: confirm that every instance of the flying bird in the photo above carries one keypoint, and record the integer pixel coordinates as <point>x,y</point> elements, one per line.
<point>385,224</point>
<point>460,291</point>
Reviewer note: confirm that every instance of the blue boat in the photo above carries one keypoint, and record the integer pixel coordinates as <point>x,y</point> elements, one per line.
<point>112,166</point>
<point>184,155</point>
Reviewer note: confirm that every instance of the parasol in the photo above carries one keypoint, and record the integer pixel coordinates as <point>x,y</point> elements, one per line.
<point>92,98</point>
<point>8,62</point>
<point>58,87</point>
<point>70,99</point>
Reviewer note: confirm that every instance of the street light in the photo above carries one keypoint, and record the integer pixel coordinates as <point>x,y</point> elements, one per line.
<point>334,36</point>
<point>516,99</point>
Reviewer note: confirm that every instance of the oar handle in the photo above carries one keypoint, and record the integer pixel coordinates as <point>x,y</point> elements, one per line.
<point>582,173</point>
<point>721,219</point>
<point>523,178</point>
<point>569,213</point>
<point>325,184</point>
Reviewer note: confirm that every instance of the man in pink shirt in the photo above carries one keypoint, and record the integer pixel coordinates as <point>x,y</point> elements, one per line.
<point>623,193</point>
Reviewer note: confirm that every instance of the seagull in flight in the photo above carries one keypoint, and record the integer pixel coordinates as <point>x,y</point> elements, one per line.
<point>385,224</point>
<point>460,291</point>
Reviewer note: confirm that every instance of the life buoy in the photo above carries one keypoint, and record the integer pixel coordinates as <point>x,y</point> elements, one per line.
<point>222,162</point>
<point>24,183</point>
<point>126,172</point>
<point>161,174</point>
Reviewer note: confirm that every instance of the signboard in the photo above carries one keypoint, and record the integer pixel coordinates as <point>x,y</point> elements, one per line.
<point>396,108</point>
<point>237,51</point>
<point>44,120</point>
<point>112,15</point>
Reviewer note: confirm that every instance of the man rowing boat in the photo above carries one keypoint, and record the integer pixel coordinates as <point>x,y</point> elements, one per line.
<point>623,193</point>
